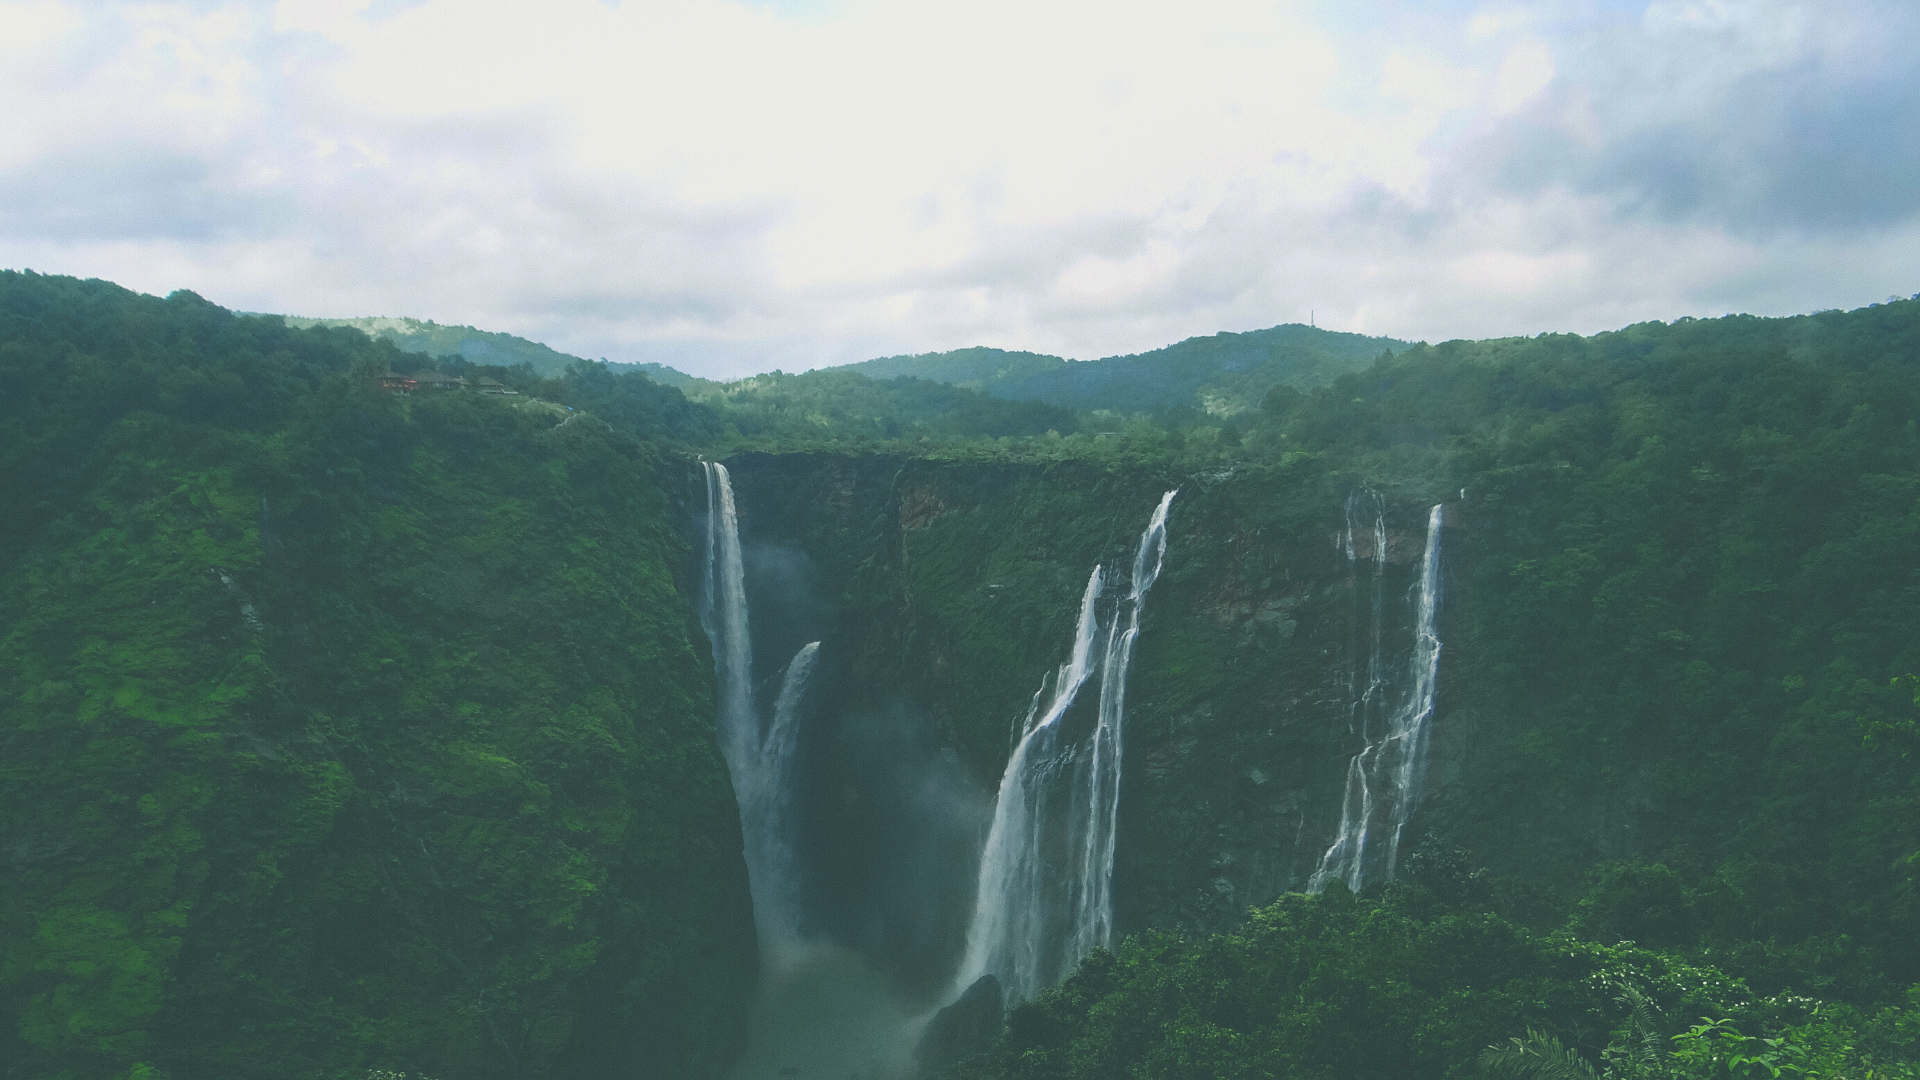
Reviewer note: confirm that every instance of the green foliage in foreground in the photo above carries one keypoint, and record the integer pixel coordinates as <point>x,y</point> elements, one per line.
<point>341,731</point>
<point>1400,986</point>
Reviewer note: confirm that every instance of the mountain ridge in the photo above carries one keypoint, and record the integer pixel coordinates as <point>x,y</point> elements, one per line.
<point>1221,375</point>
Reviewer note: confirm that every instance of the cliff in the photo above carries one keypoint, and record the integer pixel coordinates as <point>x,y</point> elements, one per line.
<point>1616,685</point>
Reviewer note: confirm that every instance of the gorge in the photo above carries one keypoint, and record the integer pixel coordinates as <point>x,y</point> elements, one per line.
<point>1047,843</point>
<point>602,732</point>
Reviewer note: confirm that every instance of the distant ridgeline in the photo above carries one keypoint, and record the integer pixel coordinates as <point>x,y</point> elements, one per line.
<point>1225,375</point>
<point>486,347</point>
<point>1199,380</point>
<point>347,732</point>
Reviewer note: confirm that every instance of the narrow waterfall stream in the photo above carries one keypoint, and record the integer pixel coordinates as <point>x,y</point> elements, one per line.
<point>1384,778</point>
<point>1058,802</point>
<point>723,614</point>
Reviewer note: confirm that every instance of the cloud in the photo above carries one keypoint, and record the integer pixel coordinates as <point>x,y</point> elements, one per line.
<point>1526,70</point>
<point>1762,120</point>
<point>730,187</point>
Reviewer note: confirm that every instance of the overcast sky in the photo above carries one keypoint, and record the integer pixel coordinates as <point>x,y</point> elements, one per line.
<point>729,186</point>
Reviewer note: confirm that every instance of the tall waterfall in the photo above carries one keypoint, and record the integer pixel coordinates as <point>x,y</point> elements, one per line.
<point>766,819</point>
<point>1383,779</point>
<point>1044,898</point>
<point>759,754</point>
<point>724,617</point>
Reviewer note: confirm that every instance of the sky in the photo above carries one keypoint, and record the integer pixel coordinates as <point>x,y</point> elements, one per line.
<point>730,186</point>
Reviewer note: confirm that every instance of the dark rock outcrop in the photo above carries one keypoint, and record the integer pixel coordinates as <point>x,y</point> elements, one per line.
<point>963,1029</point>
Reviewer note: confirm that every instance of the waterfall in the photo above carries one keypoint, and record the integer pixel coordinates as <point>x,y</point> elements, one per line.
<point>1044,897</point>
<point>1383,779</point>
<point>759,755</point>
<point>724,617</point>
<point>766,820</point>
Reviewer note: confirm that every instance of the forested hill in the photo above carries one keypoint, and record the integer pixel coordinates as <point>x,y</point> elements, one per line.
<point>344,734</point>
<point>1224,375</point>
<point>466,342</point>
<point>476,346</point>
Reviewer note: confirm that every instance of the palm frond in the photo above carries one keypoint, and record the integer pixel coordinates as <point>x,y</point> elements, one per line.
<point>1539,1056</point>
<point>1642,1055</point>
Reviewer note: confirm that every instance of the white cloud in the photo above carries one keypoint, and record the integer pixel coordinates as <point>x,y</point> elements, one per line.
<point>1492,22</point>
<point>1523,74</point>
<point>724,187</point>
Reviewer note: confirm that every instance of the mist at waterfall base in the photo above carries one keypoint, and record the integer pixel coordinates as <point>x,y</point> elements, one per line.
<point>862,868</point>
<point>884,823</point>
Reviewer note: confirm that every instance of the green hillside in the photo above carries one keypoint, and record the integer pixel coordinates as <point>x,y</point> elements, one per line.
<point>477,346</point>
<point>484,347</point>
<point>1222,376</point>
<point>662,374</point>
<point>978,368</point>
<point>343,731</point>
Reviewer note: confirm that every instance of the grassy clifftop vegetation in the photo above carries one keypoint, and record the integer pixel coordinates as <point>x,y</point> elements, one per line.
<point>342,732</point>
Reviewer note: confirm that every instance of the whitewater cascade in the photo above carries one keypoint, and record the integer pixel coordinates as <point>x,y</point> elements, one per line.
<point>1044,898</point>
<point>1383,779</point>
<point>766,820</point>
<point>759,755</point>
<point>724,617</point>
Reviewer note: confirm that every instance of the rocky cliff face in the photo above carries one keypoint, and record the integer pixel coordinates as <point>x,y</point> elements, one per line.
<point>1587,709</point>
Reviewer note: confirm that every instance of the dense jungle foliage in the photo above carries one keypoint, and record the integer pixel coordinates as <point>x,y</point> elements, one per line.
<point>341,732</point>
<point>1407,984</point>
